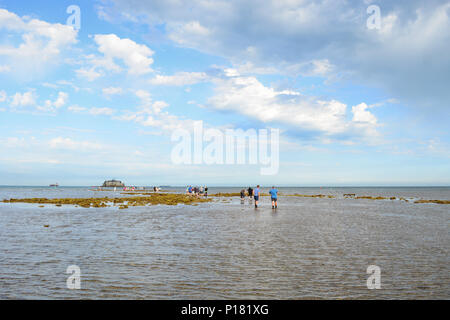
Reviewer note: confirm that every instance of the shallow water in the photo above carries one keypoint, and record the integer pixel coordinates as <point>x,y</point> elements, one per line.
<point>307,248</point>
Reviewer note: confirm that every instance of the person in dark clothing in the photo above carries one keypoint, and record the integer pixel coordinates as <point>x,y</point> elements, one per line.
<point>242,195</point>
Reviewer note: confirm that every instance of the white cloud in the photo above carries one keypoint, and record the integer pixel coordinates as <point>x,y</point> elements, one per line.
<point>3,96</point>
<point>116,54</point>
<point>49,85</point>
<point>76,152</point>
<point>189,34</point>
<point>147,105</point>
<point>311,68</point>
<point>248,67</point>
<point>41,42</point>
<point>360,114</point>
<point>29,99</point>
<point>69,144</point>
<point>145,96</point>
<point>230,72</point>
<point>5,68</point>
<point>150,114</point>
<point>165,122</point>
<point>23,99</point>
<point>195,28</point>
<point>101,111</point>
<point>180,79</point>
<point>159,105</point>
<point>66,83</point>
<point>61,99</point>
<point>136,57</point>
<point>51,106</point>
<point>248,96</point>
<point>89,73</point>
<point>14,142</point>
<point>406,57</point>
<point>112,91</point>
<point>102,63</point>
<point>92,111</point>
<point>76,109</point>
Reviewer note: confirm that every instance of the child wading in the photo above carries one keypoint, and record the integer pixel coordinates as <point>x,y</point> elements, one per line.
<point>256,195</point>
<point>274,195</point>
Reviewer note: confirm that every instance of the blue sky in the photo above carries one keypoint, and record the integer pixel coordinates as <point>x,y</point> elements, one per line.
<point>354,106</point>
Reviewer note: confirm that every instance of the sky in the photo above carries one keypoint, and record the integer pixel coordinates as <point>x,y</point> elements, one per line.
<point>359,99</point>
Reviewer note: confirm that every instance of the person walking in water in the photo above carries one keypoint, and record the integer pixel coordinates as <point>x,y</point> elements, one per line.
<point>256,195</point>
<point>274,197</point>
<point>242,195</point>
<point>250,193</point>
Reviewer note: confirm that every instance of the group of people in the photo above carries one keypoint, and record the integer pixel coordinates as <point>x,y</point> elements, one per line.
<point>254,194</point>
<point>197,191</point>
<point>132,188</point>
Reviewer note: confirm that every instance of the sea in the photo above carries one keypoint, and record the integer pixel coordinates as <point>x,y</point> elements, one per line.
<point>307,248</point>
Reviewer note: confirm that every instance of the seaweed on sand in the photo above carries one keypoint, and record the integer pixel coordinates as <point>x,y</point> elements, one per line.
<point>124,202</point>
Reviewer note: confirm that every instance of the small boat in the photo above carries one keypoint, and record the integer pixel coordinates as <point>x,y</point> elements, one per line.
<point>54,185</point>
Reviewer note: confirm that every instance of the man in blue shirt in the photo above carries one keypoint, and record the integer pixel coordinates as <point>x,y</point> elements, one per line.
<point>274,196</point>
<point>256,195</point>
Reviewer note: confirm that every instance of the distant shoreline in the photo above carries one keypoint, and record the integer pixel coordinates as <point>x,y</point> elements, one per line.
<point>228,186</point>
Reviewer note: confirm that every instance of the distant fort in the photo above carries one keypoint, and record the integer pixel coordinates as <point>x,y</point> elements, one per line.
<point>113,183</point>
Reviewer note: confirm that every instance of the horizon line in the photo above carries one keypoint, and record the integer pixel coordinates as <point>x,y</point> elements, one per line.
<point>239,185</point>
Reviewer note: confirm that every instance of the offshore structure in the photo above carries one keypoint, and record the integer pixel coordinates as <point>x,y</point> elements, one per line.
<point>113,183</point>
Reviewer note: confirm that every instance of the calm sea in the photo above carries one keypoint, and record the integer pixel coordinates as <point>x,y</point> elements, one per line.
<point>308,248</point>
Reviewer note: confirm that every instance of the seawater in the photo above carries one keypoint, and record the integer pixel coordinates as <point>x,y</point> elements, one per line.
<point>309,248</point>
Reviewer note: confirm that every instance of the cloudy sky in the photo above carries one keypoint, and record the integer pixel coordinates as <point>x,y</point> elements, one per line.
<point>355,105</point>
